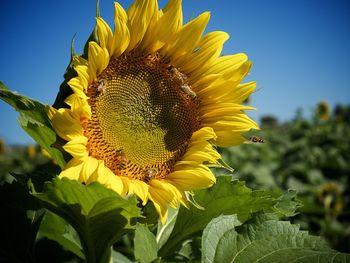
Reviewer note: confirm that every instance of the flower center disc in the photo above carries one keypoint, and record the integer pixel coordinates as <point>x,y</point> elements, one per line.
<point>143,115</point>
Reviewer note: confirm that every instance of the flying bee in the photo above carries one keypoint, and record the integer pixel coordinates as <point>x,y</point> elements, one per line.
<point>150,174</point>
<point>256,139</point>
<point>101,88</point>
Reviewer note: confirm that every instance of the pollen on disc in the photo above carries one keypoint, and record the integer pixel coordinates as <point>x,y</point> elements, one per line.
<point>142,117</point>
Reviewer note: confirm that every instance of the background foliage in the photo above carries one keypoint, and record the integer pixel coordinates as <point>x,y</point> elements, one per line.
<point>310,156</point>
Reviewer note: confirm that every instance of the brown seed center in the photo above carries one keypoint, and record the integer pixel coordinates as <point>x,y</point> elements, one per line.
<point>143,115</point>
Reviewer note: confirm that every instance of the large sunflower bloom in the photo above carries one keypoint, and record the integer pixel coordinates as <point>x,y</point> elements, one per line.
<point>150,102</point>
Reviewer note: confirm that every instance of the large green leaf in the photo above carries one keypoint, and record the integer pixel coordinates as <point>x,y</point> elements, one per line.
<point>213,232</point>
<point>145,244</point>
<point>265,240</point>
<point>57,229</point>
<point>225,197</point>
<point>34,120</point>
<point>99,215</point>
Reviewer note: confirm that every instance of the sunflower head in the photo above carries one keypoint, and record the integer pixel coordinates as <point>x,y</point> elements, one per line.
<point>330,196</point>
<point>149,104</point>
<point>31,151</point>
<point>323,110</point>
<point>2,146</point>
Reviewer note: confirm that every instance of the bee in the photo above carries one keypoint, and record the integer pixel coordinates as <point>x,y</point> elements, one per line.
<point>101,88</point>
<point>187,89</point>
<point>177,74</point>
<point>150,174</point>
<point>256,139</point>
<point>122,160</point>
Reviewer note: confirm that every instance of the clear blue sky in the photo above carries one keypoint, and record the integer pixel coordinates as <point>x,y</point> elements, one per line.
<point>299,48</point>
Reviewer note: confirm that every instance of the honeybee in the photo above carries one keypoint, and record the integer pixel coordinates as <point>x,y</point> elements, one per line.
<point>183,81</point>
<point>187,89</point>
<point>176,73</point>
<point>256,139</point>
<point>101,88</point>
<point>150,174</point>
<point>122,160</point>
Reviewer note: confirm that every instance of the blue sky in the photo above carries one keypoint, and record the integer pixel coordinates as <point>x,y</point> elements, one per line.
<point>300,49</point>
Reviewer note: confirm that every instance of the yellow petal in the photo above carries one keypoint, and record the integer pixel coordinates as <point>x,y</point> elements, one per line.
<point>199,149</point>
<point>229,138</point>
<point>241,92</point>
<point>160,205</point>
<point>77,87</point>
<point>187,39</point>
<point>95,176</point>
<point>83,75</point>
<point>190,178</point>
<point>209,49</point>
<point>140,189</point>
<point>164,28</point>
<point>200,153</point>
<point>104,34</point>
<point>121,37</point>
<point>216,111</point>
<point>162,193</point>
<point>90,165</point>
<point>112,181</point>
<point>173,8</point>
<point>77,147</point>
<point>140,14</point>
<point>236,123</point>
<point>116,184</point>
<point>204,134</point>
<point>65,125</point>
<point>216,92</point>
<point>98,58</point>
<point>80,108</point>
<point>50,111</point>
<point>227,64</point>
<point>72,169</point>
<point>169,191</point>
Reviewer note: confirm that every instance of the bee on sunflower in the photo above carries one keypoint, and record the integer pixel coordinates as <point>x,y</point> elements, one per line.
<point>150,103</point>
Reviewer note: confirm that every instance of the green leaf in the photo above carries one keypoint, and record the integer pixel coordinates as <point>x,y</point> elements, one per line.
<point>288,204</point>
<point>57,229</point>
<point>120,258</point>
<point>41,174</point>
<point>34,120</point>
<point>99,215</point>
<point>267,240</point>
<point>190,250</point>
<point>213,232</point>
<point>225,197</point>
<point>145,244</point>
<point>164,231</point>
<point>19,221</point>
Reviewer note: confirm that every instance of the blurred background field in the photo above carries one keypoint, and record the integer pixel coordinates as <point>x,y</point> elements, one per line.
<point>310,155</point>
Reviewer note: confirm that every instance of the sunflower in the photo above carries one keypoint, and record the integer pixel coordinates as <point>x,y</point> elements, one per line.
<point>2,146</point>
<point>150,103</point>
<point>322,110</point>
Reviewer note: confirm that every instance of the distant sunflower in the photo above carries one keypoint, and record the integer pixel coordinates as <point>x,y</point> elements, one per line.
<point>2,146</point>
<point>150,102</point>
<point>323,110</point>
